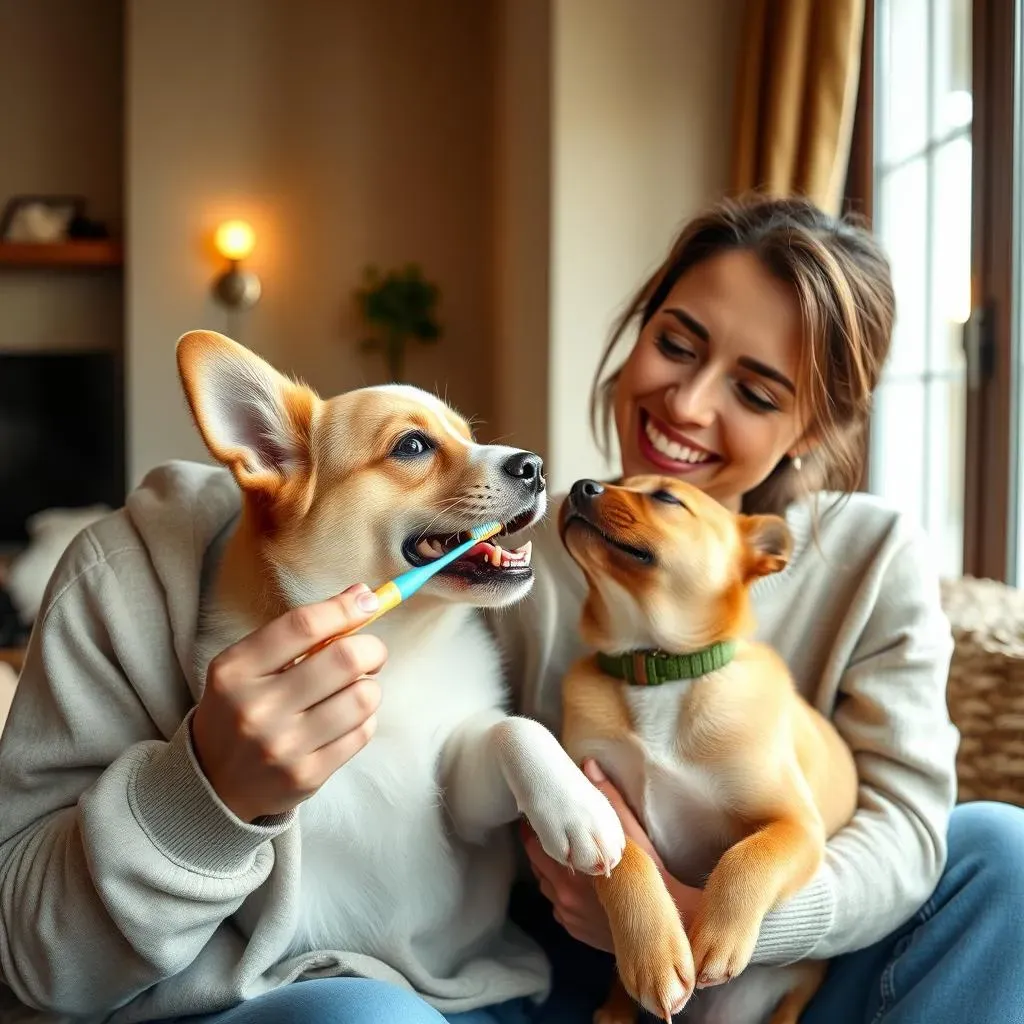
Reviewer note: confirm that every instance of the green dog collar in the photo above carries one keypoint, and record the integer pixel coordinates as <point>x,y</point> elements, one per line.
<point>652,668</point>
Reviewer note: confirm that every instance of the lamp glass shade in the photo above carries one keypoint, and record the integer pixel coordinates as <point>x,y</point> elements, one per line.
<point>235,240</point>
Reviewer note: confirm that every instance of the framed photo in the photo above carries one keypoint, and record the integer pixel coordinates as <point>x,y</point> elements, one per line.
<point>39,218</point>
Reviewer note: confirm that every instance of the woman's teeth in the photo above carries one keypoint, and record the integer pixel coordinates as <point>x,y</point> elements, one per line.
<point>673,449</point>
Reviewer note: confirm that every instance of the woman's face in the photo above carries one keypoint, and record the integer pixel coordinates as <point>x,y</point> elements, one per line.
<point>708,393</point>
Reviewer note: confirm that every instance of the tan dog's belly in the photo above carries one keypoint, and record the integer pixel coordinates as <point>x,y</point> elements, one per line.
<point>680,805</point>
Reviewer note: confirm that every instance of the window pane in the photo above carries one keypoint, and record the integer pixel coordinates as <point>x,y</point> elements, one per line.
<point>951,67</point>
<point>903,28</point>
<point>898,446</point>
<point>944,514</point>
<point>903,228</point>
<point>951,253</point>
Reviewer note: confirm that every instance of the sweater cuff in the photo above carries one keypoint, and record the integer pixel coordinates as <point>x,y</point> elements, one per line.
<point>181,813</point>
<point>792,931</point>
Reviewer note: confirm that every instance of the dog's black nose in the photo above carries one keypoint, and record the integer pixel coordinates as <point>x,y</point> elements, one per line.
<point>584,491</point>
<point>527,468</point>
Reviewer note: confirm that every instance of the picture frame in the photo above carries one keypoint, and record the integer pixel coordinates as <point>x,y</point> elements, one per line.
<point>39,218</point>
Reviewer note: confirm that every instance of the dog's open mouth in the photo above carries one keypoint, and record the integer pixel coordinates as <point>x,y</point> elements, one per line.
<point>486,561</point>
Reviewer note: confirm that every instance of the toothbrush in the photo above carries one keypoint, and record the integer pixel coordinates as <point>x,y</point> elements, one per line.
<point>401,588</point>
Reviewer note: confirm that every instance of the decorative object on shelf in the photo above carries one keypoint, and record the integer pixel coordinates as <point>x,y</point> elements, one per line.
<point>397,307</point>
<point>40,219</point>
<point>236,288</point>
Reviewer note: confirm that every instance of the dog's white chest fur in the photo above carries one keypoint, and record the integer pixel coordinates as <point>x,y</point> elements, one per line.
<point>681,805</point>
<point>377,846</point>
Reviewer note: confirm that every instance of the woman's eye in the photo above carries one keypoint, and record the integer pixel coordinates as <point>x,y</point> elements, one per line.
<point>412,445</point>
<point>674,349</point>
<point>761,401</point>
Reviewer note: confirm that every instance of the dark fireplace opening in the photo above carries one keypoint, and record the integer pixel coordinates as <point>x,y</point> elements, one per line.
<point>61,435</point>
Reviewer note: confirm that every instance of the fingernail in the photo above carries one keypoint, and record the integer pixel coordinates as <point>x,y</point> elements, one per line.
<point>368,602</point>
<point>593,771</point>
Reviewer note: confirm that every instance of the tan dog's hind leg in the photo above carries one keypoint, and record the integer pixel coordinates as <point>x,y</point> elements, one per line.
<point>812,974</point>
<point>652,953</point>
<point>749,880</point>
<point>618,1008</point>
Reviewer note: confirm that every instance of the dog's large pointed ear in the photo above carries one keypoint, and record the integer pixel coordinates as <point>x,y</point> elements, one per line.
<point>768,544</point>
<point>253,419</point>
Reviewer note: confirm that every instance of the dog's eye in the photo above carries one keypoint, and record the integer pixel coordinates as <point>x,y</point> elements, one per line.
<point>667,497</point>
<point>412,445</point>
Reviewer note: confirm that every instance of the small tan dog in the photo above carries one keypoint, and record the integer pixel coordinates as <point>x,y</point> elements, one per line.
<point>737,780</point>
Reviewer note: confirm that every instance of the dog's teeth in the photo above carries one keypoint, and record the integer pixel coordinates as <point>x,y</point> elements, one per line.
<point>495,556</point>
<point>526,551</point>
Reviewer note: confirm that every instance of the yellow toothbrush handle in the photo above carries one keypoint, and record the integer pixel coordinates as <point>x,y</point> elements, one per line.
<point>389,596</point>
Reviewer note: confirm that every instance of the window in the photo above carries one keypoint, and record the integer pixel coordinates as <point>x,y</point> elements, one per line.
<point>922,205</point>
<point>944,433</point>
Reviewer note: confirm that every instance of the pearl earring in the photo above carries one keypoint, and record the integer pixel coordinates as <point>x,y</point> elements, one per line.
<point>797,463</point>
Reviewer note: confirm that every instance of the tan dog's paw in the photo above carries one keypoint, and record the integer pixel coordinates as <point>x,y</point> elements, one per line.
<point>659,979</point>
<point>582,831</point>
<point>658,970</point>
<point>721,950</point>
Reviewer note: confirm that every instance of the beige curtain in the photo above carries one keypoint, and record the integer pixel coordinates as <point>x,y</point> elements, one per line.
<point>796,97</point>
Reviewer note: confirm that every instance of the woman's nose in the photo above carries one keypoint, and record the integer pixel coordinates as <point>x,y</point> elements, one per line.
<point>693,402</point>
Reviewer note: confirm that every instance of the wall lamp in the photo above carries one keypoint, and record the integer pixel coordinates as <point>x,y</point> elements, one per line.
<point>236,288</point>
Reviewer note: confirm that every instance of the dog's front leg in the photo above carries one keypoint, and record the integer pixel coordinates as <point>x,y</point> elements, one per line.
<point>496,767</point>
<point>749,880</point>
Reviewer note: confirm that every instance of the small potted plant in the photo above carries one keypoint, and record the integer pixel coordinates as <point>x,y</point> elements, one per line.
<point>398,307</point>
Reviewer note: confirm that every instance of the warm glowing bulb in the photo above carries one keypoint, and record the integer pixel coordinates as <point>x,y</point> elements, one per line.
<point>235,240</point>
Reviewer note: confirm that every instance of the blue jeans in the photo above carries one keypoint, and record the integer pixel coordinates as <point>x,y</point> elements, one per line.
<point>353,1001</point>
<point>959,960</point>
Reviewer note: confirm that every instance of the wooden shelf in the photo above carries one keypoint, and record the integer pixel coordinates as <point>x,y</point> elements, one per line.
<point>100,253</point>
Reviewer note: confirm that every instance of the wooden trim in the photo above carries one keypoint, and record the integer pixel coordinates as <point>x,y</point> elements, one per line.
<point>987,443</point>
<point>99,253</point>
<point>859,192</point>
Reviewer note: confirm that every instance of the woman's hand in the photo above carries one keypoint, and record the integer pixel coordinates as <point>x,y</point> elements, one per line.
<point>572,895</point>
<point>266,739</point>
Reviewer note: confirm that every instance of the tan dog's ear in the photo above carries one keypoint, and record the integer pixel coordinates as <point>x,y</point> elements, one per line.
<point>253,419</point>
<point>768,544</point>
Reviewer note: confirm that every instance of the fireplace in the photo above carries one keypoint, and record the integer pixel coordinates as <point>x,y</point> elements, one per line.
<point>61,435</point>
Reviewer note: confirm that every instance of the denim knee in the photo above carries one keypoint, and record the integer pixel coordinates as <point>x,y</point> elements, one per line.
<point>986,848</point>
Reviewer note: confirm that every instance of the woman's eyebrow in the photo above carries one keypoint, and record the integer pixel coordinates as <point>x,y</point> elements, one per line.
<point>767,371</point>
<point>692,325</point>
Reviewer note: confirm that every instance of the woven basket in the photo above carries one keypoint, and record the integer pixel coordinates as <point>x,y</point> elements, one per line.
<point>986,687</point>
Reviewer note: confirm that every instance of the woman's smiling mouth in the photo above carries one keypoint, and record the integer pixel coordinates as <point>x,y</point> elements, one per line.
<point>661,449</point>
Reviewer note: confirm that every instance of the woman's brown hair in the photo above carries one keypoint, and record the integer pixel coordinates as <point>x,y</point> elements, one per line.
<point>843,283</point>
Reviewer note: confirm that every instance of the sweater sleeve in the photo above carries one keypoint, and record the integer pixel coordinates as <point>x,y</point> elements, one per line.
<point>892,711</point>
<point>114,849</point>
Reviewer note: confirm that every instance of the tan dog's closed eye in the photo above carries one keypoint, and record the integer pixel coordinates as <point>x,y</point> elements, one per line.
<point>735,777</point>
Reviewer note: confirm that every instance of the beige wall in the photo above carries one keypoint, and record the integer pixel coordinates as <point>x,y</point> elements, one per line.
<point>60,133</point>
<point>613,127</point>
<point>347,133</point>
<point>642,95</point>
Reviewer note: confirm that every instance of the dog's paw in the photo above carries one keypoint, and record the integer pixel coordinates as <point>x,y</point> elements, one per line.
<point>658,972</point>
<point>579,828</point>
<point>721,949</point>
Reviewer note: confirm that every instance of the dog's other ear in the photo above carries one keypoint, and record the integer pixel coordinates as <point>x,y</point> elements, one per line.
<point>253,419</point>
<point>768,544</point>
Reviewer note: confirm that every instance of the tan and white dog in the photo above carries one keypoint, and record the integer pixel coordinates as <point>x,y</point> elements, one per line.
<point>356,489</point>
<point>737,780</point>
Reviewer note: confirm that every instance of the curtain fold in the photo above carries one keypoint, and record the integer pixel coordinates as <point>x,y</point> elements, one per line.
<point>796,97</point>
